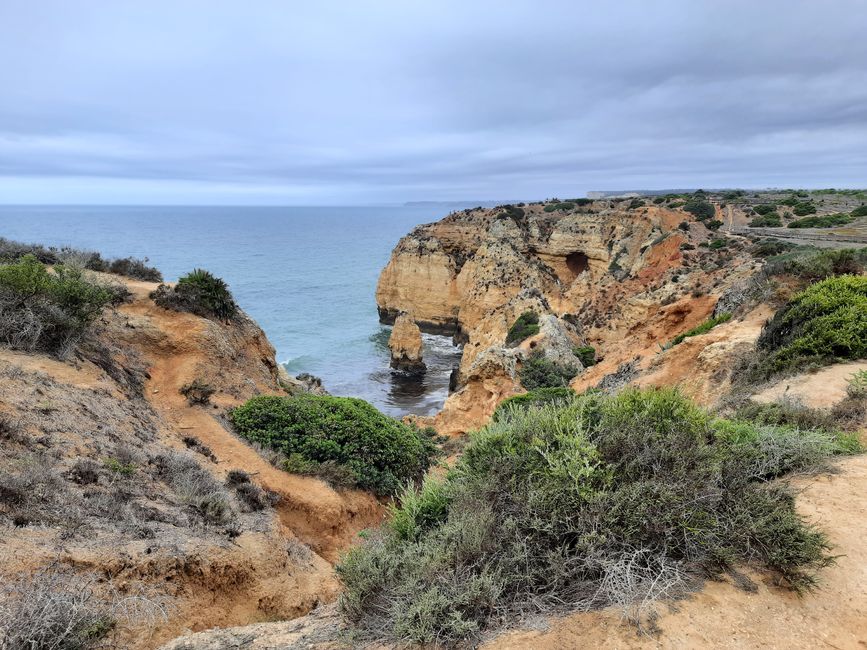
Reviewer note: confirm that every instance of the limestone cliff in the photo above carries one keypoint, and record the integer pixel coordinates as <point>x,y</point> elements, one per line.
<point>624,280</point>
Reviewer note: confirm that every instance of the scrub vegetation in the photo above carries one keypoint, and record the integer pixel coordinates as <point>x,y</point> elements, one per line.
<point>597,500</point>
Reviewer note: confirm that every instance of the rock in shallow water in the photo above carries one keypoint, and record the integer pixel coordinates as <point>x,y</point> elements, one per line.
<point>406,345</point>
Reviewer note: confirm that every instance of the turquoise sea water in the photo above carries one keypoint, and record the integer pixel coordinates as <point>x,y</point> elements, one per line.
<point>306,275</point>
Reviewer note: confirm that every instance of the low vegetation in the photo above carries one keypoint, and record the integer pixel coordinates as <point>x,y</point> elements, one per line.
<point>601,500</point>
<point>197,392</point>
<point>346,434</point>
<point>537,371</point>
<point>812,264</point>
<point>533,398</point>
<point>700,209</point>
<point>586,354</point>
<point>199,292</point>
<point>704,328</point>
<point>562,207</point>
<point>11,251</point>
<point>48,309</point>
<point>769,220</point>
<point>823,324</point>
<point>525,326</point>
<point>823,221</point>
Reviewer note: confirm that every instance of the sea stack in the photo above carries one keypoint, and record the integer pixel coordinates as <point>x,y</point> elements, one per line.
<point>405,345</point>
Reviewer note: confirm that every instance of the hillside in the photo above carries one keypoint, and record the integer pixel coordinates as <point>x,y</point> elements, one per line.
<point>114,482</point>
<point>652,439</point>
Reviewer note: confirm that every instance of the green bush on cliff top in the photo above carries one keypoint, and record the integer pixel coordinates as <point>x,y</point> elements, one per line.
<point>825,323</point>
<point>600,500</point>
<point>199,292</point>
<point>380,453</point>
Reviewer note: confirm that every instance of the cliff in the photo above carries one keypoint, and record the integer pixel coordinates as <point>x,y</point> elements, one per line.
<point>624,280</point>
<point>112,478</point>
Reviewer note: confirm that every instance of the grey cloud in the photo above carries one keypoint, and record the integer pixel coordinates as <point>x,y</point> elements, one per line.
<point>335,102</point>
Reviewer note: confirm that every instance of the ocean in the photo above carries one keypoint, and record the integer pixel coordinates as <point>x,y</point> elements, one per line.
<point>307,275</point>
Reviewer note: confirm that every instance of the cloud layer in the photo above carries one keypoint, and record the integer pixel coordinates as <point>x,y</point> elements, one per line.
<point>214,101</point>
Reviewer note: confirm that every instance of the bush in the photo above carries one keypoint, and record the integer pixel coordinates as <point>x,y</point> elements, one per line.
<point>704,328</point>
<point>717,244</point>
<point>196,487</point>
<point>857,385</point>
<point>538,371</point>
<point>803,209</point>
<point>135,269</point>
<point>635,203</point>
<point>766,208</point>
<point>824,323</point>
<point>563,207</point>
<point>586,354</point>
<point>701,209</point>
<point>199,292</point>
<point>47,310</point>
<point>381,454</point>
<point>714,224</point>
<point>525,326</point>
<point>812,264</point>
<point>860,211</point>
<point>533,398</point>
<point>197,392</point>
<point>823,221</point>
<point>601,500</point>
<point>53,610</point>
<point>769,220</point>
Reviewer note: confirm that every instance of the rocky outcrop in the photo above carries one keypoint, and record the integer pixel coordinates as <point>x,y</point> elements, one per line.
<point>406,346</point>
<point>623,280</point>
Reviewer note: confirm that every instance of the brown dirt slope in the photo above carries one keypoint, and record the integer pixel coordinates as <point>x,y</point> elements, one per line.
<point>114,410</point>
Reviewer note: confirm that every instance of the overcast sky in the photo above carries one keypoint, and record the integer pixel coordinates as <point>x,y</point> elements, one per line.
<point>325,102</point>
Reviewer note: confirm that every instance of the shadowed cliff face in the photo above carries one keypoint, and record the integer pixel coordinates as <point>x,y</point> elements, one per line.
<point>625,280</point>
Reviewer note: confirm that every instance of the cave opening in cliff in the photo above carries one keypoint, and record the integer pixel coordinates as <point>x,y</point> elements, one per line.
<point>577,262</point>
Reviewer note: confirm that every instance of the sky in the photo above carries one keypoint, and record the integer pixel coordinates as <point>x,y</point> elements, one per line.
<point>365,102</point>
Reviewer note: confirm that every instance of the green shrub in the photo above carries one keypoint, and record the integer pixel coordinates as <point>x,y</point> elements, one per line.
<point>768,220</point>
<point>586,354</point>
<point>860,211</point>
<point>803,209</point>
<point>765,208</point>
<point>857,385</point>
<point>47,310</point>
<point>717,244</point>
<point>534,398</point>
<point>704,328</point>
<point>135,269</point>
<point>199,292</point>
<point>636,203</point>
<point>537,371</point>
<point>563,207</point>
<point>676,204</point>
<point>823,221</point>
<point>381,454</point>
<point>714,224</point>
<point>701,209</point>
<point>813,264</point>
<point>525,326</point>
<point>601,500</point>
<point>824,323</point>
